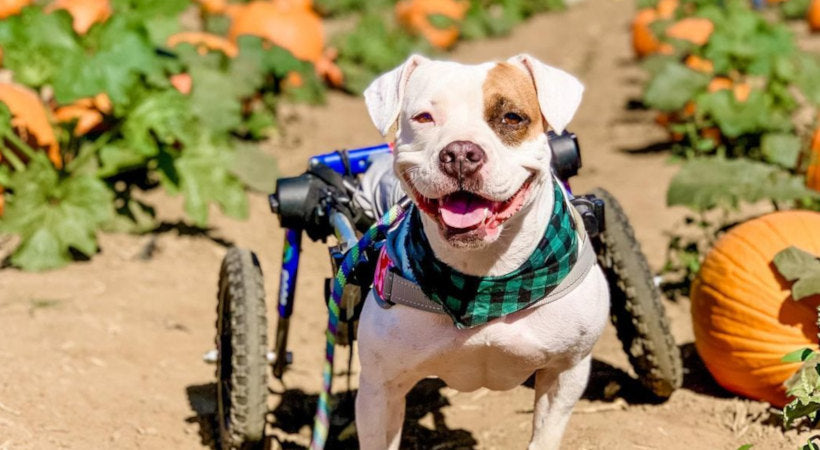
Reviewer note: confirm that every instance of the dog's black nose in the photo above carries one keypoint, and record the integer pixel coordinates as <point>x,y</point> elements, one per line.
<point>461,159</point>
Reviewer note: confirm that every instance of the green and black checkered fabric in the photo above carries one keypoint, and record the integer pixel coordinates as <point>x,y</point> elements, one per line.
<point>471,300</point>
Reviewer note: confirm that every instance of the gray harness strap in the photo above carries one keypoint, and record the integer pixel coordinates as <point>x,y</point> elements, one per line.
<point>400,290</point>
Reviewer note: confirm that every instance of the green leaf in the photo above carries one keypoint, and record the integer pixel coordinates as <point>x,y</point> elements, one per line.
<point>798,355</point>
<point>794,263</point>
<point>53,214</point>
<point>782,149</point>
<point>119,157</point>
<point>163,117</point>
<point>36,46</point>
<point>807,76</point>
<point>745,447</point>
<point>806,286</point>
<point>736,118</point>
<point>704,183</point>
<point>215,101</point>
<point>254,168</point>
<point>673,86</point>
<point>795,9</point>
<point>802,267</point>
<point>124,54</point>
<point>205,178</point>
<point>798,409</point>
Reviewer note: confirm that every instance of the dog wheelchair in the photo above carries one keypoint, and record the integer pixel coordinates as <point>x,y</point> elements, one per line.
<point>320,203</point>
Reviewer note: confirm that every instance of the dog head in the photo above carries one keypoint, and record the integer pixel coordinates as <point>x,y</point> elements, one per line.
<point>471,145</point>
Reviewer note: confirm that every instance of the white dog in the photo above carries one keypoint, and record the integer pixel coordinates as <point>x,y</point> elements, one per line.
<point>471,149</point>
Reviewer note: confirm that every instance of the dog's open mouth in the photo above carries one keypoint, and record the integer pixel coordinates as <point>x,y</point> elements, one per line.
<point>463,211</point>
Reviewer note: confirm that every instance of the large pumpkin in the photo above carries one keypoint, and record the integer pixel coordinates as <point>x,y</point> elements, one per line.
<point>287,24</point>
<point>743,315</point>
<point>290,24</point>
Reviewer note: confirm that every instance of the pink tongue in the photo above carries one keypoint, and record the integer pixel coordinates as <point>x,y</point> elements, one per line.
<point>462,210</point>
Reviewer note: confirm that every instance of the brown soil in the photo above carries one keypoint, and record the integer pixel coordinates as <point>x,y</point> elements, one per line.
<point>107,353</point>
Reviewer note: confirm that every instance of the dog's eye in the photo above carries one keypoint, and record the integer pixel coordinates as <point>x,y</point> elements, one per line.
<point>423,117</point>
<point>511,118</point>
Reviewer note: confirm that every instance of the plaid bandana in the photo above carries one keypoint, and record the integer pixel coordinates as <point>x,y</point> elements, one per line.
<point>471,300</point>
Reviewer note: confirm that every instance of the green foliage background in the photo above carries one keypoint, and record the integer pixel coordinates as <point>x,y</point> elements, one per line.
<point>200,145</point>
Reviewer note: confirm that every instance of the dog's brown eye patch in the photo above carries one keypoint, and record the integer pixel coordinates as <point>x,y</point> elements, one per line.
<point>511,105</point>
<point>424,117</point>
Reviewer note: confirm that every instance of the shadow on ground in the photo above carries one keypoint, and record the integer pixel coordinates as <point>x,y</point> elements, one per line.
<point>296,408</point>
<point>606,382</point>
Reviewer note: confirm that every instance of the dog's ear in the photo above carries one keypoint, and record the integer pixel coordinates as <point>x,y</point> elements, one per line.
<point>559,93</point>
<point>384,95</point>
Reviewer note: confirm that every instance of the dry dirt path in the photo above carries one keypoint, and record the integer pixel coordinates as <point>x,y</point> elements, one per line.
<point>106,353</point>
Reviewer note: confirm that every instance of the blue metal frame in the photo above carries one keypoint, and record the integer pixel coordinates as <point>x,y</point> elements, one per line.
<point>290,269</point>
<point>358,160</point>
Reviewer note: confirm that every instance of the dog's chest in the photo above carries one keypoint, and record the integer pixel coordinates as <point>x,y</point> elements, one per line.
<point>500,355</point>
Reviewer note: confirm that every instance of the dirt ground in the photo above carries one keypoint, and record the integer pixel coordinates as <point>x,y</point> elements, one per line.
<point>107,353</point>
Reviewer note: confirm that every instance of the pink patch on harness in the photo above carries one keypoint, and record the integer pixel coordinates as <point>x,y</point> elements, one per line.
<point>383,265</point>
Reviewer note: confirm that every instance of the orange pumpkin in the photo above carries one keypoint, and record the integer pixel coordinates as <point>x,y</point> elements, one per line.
<point>12,7</point>
<point>666,8</point>
<point>182,82</point>
<point>285,24</point>
<point>699,64</point>
<point>30,119</point>
<point>415,16</point>
<point>719,84</point>
<point>813,171</point>
<point>204,42</point>
<point>87,112</point>
<point>696,30</point>
<point>290,24</point>
<point>644,41</point>
<point>813,15</point>
<point>741,90</point>
<point>743,315</point>
<point>84,13</point>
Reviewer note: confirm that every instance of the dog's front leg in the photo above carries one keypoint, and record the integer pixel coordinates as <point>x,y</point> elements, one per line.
<point>555,396</point>
<point>380,408</point>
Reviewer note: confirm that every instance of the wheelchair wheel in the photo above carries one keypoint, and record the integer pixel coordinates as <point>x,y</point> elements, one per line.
<point>636,311</point>
<point>241,341</point>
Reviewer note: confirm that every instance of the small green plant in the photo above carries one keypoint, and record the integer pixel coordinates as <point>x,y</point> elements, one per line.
<point>802,269</point>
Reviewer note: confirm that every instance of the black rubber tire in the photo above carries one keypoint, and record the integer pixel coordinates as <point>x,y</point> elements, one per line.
<point>241,341</point>
<point>636,310</point>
